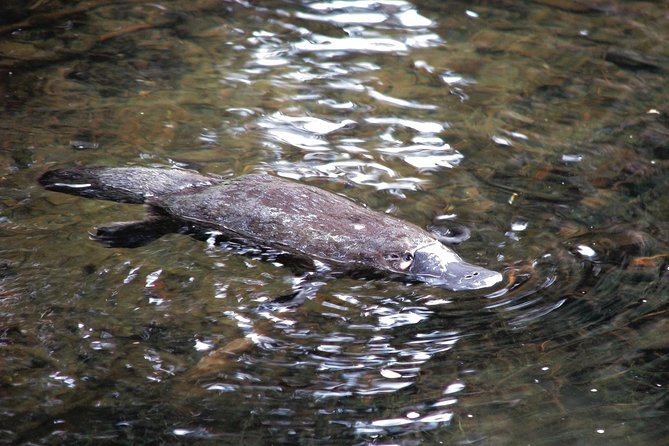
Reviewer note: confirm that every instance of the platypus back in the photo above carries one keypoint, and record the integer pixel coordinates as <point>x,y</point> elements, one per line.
<point>123,184</point>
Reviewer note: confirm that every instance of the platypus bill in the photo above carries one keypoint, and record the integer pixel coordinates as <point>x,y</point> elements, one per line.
<point>262,210</point>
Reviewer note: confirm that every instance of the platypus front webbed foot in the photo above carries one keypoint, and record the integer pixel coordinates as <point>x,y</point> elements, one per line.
<point>132,234</point>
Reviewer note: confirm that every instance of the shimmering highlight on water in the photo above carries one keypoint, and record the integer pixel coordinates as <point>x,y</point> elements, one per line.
<point>532,136</point>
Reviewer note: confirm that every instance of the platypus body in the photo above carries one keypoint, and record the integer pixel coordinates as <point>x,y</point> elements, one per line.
<point>269,212</point>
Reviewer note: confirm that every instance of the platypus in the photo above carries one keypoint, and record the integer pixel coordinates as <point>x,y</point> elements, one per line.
<point>269,212</point>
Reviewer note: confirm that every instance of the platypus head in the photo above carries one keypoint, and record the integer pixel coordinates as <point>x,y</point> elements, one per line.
<point>434,263</point>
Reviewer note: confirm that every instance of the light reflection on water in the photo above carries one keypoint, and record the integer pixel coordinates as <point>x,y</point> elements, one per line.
<point>543,140</point>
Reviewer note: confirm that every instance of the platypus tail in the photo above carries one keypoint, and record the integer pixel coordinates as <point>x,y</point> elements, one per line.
<point>123,184</point>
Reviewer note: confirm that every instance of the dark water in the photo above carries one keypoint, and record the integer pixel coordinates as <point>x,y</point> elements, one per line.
<point>541,126</point>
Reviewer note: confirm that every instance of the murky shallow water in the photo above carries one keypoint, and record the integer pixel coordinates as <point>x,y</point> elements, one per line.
<point>542,127</point>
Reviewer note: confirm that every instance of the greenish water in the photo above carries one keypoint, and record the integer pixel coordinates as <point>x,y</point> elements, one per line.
<point>541,126</point>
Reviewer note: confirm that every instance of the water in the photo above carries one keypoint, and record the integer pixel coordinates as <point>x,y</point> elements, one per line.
<point>540,129</point>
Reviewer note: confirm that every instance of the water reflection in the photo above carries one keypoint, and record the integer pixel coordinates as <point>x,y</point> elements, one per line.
<point>538,128</point>
<point>329,67</point>
<point>369,13</point>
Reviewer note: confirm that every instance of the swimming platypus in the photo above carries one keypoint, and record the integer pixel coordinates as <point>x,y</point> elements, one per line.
<point>265,211</point>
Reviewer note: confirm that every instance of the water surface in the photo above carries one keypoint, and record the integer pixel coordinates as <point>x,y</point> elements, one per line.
<point>541,127</point>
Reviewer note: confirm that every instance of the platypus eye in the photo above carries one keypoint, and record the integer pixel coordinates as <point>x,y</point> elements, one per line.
<point>407,259</point>
<point>400,261</point>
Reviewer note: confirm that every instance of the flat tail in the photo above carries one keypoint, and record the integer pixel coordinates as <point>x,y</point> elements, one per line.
<point>122,184</point>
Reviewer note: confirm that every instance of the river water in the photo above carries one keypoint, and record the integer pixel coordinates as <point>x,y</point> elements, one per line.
<point>541,127</point>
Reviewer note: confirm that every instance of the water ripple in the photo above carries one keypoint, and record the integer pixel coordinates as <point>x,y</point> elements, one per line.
<point>391,12</point>
<point>331,46</point>
<point>398,102</point>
